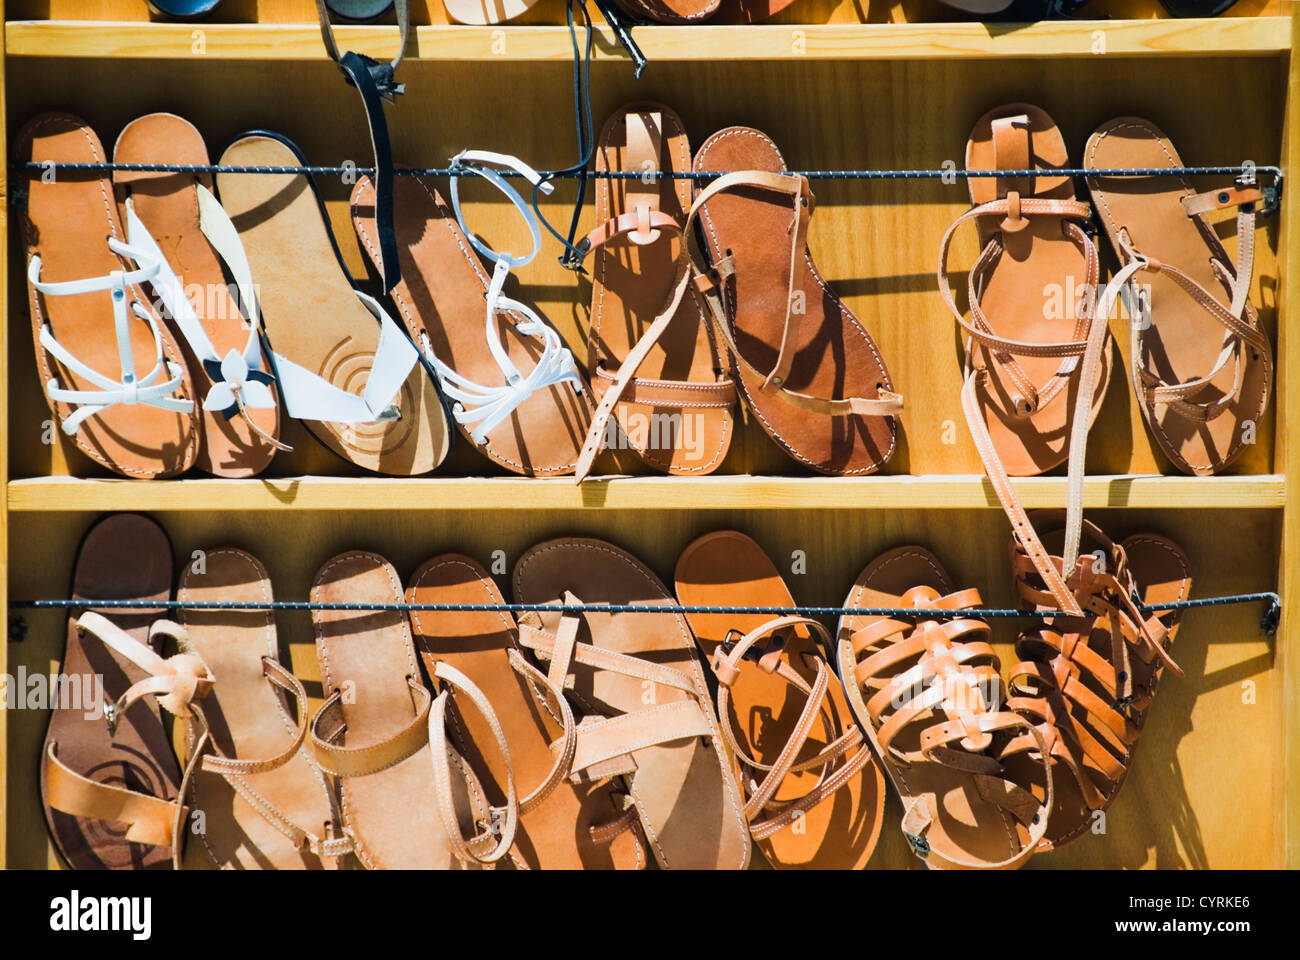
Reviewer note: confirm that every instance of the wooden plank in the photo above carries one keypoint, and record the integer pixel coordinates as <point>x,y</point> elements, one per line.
<point>1218,37</point>
<point>59,494</point>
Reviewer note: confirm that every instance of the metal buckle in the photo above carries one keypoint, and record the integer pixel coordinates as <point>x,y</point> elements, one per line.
<point>754,653</point>
<point>920,846</point>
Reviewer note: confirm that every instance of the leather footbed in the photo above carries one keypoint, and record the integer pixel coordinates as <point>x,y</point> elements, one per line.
<point>167,204</point>
<point>839,833</point>
<point>835,357</point>
<point>312,316</point>
<point>66,223</point>
<point>441,295</point>
<point>123,557</point>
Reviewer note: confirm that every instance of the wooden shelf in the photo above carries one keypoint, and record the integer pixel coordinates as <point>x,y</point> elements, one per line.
<point>1219,37</point>
<point>633,493</point>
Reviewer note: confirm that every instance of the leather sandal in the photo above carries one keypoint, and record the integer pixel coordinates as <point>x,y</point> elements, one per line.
<point>1034,378</point>
<point>343,366</point>
<point>483,12</point>
<point>635,683</point>
<point>515,390</point>
<point>928,693</point>
<point>491,695</point>
<point>1087,682</point>
<point>650,353</point>
<point>240,417</point>
<point>110,787</point>
<point>814,794</point>
<point>265,803</point>
<point>114,377</point>
<point>372,732</point>
<point>1202,376</point>
<point>795,348</point>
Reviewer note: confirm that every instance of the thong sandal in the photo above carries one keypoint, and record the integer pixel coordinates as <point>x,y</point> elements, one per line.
<point>644,710</point>
<point>110,788</point>
<point>796,349</point>
<point>496,695</point>
<point>814,792</point>
<point>113,375</point>
<point>516,391</point>
<point>664,386</point>
<point>343,365</point>
<point>266,805</point>
<point>928,692</point>
<point>240,418</point>
<point>1087,683</point>
<point>373,730</point>
<point>1034,378</point>
<point>1203,375</point>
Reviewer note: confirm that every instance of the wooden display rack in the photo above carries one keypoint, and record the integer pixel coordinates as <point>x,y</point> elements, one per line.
<point>1216,781</point>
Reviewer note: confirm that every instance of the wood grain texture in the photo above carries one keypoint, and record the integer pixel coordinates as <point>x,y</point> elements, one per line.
<point>1209,37</point>
<point>297,494</point>
<point>1203,788</point>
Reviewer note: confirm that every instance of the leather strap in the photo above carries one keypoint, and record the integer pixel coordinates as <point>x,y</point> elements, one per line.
<point>328,727</point>
<point>375,81</point>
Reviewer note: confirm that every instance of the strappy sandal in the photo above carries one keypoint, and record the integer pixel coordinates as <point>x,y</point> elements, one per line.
<point>672,11</point>
<point>1087,683</point>
<point>265,803</point>
<point>240,418</point>
<point>1202,366</point>
<point>638,690</point>
<point>1033,382</point>
<point>490,694</point>
<point>665,385</point>
<point>372,732</point>
<point>343,366</point>
<point>795,348</point>
<point>516,392</point>
<point>90,314</point>
<point>928,693</point>
<point>814,792</point>
<point>110,791</point>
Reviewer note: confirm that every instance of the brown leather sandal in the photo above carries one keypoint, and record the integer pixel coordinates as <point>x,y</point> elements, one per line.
<point>373,729</point>
<point>532,430</point>
<point>644,712</point>
<point>113,375</point>
<point>497,696</point>
<point>265,803</point>
<point>928,693</point>
<point>110,786</point>
<point>815,795</point>
<point>672,11</point>
<point>665,385</point>
<point>1202,367</point>
<point>239,439</point>
<point>1037,361</point>
<point>1087,683</point>
<point>795,348</point>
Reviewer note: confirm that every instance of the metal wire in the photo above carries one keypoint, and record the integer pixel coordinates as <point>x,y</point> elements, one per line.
<point>572,173</point>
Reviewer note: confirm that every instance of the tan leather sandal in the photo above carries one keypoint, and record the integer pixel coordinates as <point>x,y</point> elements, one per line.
<point>110,789</point>
<point>112,373</point>
<point>795,348</point>
<point>265,802</point>
<point>492,696</point>
<point>1202,367</point>
<point>372,732</point>
<point>1037,359</point>
<point>1087,683</point>
<point>636,685</point>
<point>814,794</point>
<point>651,356</point>
<point>928,692</point>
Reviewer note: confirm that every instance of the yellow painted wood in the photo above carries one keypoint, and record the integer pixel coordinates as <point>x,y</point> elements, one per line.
<point>1215,37</point>
<point>59,494</point>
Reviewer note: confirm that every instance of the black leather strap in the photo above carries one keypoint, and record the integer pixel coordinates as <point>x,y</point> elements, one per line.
<point>376,82</point>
